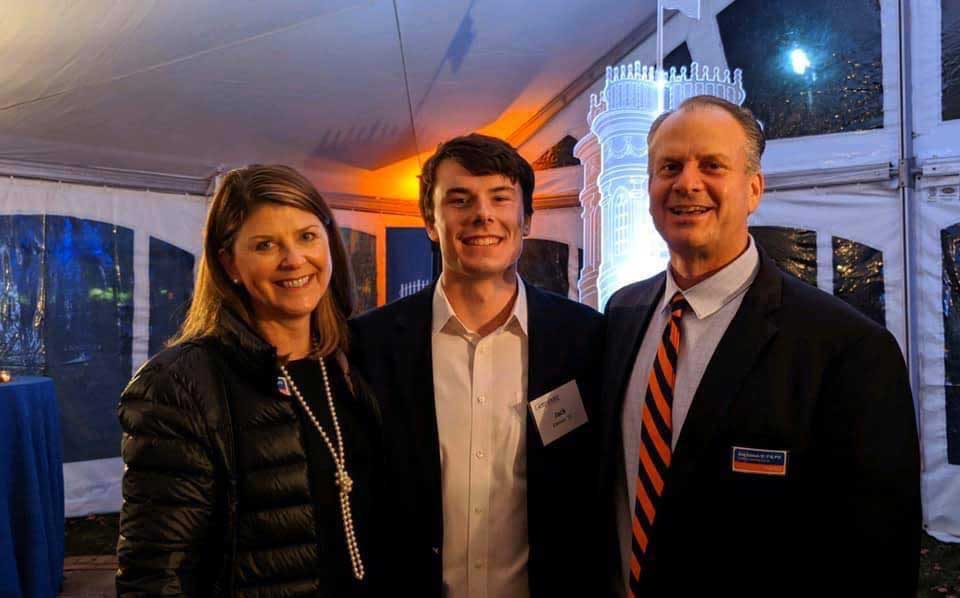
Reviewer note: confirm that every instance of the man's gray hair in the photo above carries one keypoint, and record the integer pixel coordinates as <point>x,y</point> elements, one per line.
<point>756,142</point>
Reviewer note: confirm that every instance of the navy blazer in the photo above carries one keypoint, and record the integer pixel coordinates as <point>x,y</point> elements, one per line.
<point>801,371</point>
<point>392,347</point>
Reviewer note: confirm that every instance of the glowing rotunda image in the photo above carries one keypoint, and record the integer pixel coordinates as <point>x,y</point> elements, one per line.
<point>620,117</point>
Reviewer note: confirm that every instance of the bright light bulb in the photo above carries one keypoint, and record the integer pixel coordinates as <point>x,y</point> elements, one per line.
<point>799,61</point>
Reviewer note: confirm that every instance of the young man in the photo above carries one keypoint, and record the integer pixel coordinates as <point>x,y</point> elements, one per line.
<point>487,386</point>
<point>761,431</point>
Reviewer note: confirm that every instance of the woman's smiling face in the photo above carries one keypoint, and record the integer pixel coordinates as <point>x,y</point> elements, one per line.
<point>281,256</point>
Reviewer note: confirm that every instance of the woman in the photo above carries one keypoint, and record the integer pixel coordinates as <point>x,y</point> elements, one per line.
<point>250,446</point>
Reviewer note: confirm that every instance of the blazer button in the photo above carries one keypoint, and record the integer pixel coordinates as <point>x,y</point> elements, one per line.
<point>436,550</point>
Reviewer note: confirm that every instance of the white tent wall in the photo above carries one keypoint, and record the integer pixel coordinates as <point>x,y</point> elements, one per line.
<point>935,210</point>
<point>562,225</point>
<point>93,486</point>
<point>869,214</point>
<point>938,210</point>
<point>813,157</point>
<point>936,142</point>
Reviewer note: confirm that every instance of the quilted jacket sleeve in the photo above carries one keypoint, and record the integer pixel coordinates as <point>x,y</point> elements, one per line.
<point>168,545</point>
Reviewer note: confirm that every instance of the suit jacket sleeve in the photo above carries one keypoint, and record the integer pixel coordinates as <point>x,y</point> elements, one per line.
<point>870,437</point>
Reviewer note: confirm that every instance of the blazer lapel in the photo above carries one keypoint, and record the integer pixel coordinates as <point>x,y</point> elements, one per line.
<point>414,354</point>
<point>626,326</point>
<point>745,340</point>
<point>538,344</point>
<point>537,355</point>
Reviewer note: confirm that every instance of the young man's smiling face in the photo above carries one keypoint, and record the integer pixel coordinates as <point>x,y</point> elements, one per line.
<point>479,222</point>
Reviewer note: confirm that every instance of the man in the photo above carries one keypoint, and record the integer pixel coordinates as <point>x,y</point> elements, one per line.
<point>759,431</point>
<point>487,387</point>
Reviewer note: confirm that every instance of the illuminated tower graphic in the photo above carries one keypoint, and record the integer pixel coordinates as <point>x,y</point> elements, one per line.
<point>620,117</point>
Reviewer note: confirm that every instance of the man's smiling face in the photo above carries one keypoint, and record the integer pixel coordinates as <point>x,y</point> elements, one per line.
<point>478,221</point>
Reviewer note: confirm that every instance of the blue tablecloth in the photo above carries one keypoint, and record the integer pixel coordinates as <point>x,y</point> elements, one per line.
<point>31,489</point>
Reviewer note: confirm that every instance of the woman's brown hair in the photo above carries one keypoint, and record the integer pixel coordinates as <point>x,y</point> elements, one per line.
<point>240,193</point>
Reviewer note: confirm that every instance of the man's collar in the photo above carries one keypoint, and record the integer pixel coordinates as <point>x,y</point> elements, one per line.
<point>709,295</point>
<point>443,312</point>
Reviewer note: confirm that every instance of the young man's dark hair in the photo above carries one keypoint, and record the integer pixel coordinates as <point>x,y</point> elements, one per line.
<point>480,155</point>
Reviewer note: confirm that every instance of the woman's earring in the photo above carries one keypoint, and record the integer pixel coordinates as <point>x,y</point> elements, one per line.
<point>236,281</point>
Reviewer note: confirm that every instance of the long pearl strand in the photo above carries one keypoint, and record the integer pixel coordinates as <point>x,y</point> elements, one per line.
<point>343,480</point>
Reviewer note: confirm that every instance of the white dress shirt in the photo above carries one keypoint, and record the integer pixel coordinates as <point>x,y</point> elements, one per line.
<point>480,390</point>
<point>713,303</point>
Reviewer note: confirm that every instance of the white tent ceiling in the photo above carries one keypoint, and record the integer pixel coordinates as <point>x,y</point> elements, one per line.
<point>187,87</point>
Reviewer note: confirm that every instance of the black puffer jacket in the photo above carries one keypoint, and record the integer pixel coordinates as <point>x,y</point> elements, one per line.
<point>192,524</point>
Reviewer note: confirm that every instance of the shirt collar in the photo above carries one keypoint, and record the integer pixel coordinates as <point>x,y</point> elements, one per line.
<point>443,312</point>
<point>711,294</point>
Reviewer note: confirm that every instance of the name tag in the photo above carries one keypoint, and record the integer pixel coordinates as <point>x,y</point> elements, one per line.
<point>558,412</point>
<point>761,461</point>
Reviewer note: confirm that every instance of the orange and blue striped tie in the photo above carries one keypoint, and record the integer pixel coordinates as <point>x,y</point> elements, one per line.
<point>656,435</point>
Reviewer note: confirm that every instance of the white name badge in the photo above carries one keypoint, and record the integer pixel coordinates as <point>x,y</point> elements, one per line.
<point>558,412</point>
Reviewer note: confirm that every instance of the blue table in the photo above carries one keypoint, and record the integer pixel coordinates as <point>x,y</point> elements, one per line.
<point>31,489</point>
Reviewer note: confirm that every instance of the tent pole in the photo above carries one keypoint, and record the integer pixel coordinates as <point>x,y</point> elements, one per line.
<point>906,166</point>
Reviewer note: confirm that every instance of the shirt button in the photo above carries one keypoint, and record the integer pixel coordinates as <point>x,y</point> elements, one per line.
<point>477,510</point>
<point>478,565</point>
<point>482,399</point>
<point>480,454</point>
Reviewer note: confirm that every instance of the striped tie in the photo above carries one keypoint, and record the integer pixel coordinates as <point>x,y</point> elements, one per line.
<point>656,435</point>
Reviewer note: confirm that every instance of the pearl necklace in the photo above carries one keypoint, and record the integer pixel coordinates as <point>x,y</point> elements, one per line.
<point>343,480</point>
